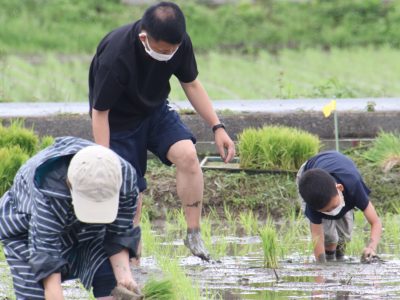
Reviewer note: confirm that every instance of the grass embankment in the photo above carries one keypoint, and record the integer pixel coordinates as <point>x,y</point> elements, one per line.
<point>76,26</point>
<point>339,73</point>
<point>265,194</point>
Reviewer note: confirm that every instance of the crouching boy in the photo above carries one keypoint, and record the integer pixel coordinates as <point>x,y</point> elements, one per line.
<point>331,187</point>
<point>69,215</point>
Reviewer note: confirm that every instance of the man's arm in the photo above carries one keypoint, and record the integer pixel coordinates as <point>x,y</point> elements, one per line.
<point>317,235</point>
<point>52,287</point>
<point>201,102</point>
<point>376,230</point>
<point>101,127</point>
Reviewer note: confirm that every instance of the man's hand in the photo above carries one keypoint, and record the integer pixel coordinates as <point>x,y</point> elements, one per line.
<point>225,145</point>
<point>195,244</point>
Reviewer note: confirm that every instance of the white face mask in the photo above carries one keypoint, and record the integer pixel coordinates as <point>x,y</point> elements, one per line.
<point>336,210</point>
<point>154,54</point>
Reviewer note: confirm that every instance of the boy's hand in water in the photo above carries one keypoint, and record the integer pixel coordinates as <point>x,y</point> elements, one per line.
<point>367,255</point>
<point>195,244</point>
<point>321,259</point>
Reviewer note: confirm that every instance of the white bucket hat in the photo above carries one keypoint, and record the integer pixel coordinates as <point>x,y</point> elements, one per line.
<point>95,176</point>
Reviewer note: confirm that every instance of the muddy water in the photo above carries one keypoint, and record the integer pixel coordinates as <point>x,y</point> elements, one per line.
<point>243,277</point>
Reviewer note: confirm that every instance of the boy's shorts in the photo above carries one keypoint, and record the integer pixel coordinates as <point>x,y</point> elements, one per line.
<point>335,231</point>
<point>338,231</point>
<point>157,133</point>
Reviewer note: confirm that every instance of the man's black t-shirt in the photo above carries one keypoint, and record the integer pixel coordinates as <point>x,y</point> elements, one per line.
<point>345,172</point>
<point>124,79</point>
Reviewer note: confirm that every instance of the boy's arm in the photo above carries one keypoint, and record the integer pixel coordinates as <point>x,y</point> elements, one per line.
<point>376,230</point>
<point>52,287</point>
<point>317,235</point>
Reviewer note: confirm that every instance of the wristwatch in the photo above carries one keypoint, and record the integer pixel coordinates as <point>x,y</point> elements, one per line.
<point>215,127</point>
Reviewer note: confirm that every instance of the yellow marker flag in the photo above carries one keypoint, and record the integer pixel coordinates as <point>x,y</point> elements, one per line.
<point>329,108</point>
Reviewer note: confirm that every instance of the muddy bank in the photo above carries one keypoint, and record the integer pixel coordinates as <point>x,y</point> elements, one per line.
<point>265,194</point>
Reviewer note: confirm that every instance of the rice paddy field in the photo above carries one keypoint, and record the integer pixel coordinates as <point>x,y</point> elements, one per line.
<point>240,268</point>
<point>254,229</point>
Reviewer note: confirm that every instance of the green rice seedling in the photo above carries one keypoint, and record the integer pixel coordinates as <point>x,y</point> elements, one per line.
<point>171,225</point>
<point>359,236</point>
<point>219,248</point>
<point>248,222</point>
<point>230,219</point>
<point>184,288</point>
<point>159,290</point>
<point>180,219</point>
<point>206,233</point>
<point>150,245</point>
<point>17,135</point>
<point>390,242</point>
<point>270,245</point>
<point>359,219</point>
<point>11,159</point>
<point>385,150</point>
<point>276,148</point>
<point>248,147</point>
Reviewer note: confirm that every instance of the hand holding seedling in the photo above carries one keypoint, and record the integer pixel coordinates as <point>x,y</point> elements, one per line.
<point>195,244</point>
<point>122,293</point>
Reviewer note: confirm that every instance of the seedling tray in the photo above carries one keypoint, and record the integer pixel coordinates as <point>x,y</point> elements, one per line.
<point>216,163</point>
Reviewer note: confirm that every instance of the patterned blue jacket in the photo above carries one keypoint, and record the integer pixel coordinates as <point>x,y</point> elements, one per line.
<point>39,230</point>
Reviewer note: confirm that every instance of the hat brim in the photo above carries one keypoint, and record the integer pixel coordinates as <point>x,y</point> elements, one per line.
<point>88,210</point>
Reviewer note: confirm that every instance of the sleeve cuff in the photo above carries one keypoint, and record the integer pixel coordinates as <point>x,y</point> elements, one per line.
<point>114,243</point>
<point>44,265</point>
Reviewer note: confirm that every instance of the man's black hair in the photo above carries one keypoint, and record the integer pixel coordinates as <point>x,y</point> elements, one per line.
<point>164,21</point>
<point>317,187</point>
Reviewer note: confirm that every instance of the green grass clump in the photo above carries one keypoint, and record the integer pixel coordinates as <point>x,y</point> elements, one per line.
<point>159,290</point>
<point>276,148</point>
<point>17,144</point>
<point>270,245</point>
<point>45,142</point>
<point>17,135</point>
<point>11,160</point>
<point>385,150</point>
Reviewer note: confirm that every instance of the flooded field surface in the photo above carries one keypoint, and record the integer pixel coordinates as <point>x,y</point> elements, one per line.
<point>244,277</point>
<point>238,271</point>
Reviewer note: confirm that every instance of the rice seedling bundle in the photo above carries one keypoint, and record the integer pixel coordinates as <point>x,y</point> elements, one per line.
<point>276,148</point>
<point>385,150</point>
<point>270,245</point>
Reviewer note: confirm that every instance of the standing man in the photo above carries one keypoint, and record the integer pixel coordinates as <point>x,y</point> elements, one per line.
<point>331,187</point>
<point>69,215</point>
<point>128,90</point>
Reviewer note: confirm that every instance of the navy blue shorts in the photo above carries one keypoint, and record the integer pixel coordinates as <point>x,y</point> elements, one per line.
<point>156,133</point>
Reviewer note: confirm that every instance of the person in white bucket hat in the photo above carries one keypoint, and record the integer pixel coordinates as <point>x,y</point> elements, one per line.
<point>68,215</point>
